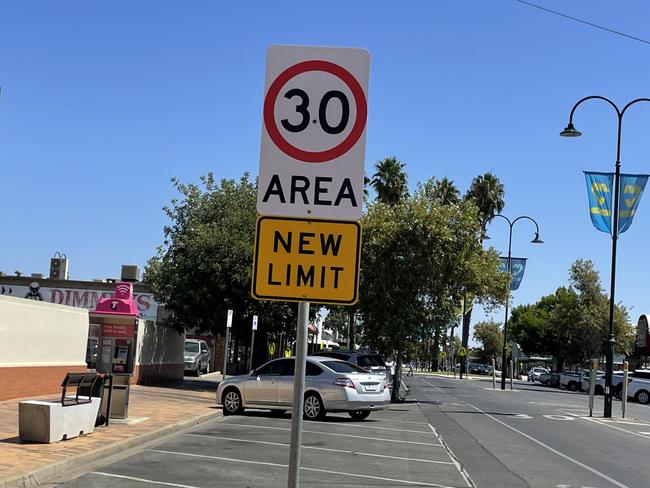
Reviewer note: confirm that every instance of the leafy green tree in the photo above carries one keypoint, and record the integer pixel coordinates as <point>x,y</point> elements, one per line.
<point>572,324</point>
<point>490,336</point>
<point>389,181</point>
<point>416,257</point>
<point>203,268</point>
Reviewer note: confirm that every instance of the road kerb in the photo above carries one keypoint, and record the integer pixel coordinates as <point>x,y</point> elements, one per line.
<point>40,476</point>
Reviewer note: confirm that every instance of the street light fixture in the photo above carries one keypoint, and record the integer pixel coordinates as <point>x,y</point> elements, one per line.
<point>536,240</point>
<point>570,131</point>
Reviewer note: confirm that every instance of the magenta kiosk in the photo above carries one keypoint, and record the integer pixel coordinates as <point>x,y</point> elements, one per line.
<point>118,319</point>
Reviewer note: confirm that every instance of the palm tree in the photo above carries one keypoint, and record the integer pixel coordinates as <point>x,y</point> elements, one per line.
<point>486,192</point>
<point>390,181</point>
<point>443,191</point>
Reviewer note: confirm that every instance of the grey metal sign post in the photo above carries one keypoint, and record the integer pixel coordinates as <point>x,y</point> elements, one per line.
<point>225,347</point>
<point>250,358</point>
<point>298,395</point>
<point>592,385</point>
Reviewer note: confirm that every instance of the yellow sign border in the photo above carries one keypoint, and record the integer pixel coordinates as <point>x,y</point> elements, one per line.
<point>357,273</point>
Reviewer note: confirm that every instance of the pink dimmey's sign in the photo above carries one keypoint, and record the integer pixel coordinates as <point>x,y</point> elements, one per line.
<point>121,303</point>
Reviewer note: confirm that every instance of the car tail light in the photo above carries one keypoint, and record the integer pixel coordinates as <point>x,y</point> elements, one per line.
<point>346,382</point>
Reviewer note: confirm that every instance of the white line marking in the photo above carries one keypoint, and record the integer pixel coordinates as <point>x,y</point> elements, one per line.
<point>644,433</point>
<point>141,479</point>
<point>340,435</point>
<point>431,384</point>
<point>357,453</point>
<point>326,471</point>
<point>563,405</point>
<point>625,422</point>
<point>454,459</point>
<point>399,421</point>
<point>604,424</point>
<point>558,417</point>
<point>555,451</point>
<point>347,425</point>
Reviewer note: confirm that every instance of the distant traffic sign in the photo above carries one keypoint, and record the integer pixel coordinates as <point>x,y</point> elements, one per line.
<point>313,137</point>
<point>442,355</point>
<point>462,351</point>
<point>306,260</point>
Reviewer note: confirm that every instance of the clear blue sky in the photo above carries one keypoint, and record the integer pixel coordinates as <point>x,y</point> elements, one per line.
<point>102,103</point>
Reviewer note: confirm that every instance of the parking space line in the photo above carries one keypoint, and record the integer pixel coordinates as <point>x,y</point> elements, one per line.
<point>316,470</point>
<point>343,451</point>
<point>348,425</point>
<point>404,421</point>
<point>555,451</point>
<point>143,480</point>
<point>335,434</point>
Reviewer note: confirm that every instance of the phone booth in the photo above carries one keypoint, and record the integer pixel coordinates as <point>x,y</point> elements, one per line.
<point>118,321</point>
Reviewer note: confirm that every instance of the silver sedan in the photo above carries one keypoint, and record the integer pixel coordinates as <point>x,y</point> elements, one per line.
<point>331,385</point>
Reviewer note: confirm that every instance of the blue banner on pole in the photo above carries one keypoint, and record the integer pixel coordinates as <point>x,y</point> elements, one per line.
<point>599,189</point>
<point>632,187</point>
<point>517,268</point>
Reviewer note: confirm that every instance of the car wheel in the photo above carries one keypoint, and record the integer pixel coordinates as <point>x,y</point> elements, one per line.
<point>198,369</point>
<point>619,392</point>
<point>642,396</point>
<point>572,386</point>
<point>313,409</point>
<point>359,414</point>
<point>598,390</point>
<point>231,402</point>
<point>207,367</point>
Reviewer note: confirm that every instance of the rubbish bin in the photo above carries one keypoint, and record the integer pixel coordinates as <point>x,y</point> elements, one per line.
<point>118,397</point>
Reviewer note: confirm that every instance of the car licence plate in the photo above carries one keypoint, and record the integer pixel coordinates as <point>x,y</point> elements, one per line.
<point>370,387</point>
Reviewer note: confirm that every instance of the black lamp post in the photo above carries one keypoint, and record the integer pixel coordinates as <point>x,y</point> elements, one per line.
<point>536,240</point>
<point>570,131</point>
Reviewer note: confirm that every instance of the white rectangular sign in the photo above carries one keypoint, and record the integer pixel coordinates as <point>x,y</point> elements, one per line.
<point>229,322</point>
<point>314,132</point>
<point>254,322</point>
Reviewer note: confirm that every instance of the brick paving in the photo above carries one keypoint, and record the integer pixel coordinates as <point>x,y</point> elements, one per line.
<point>161,406</point>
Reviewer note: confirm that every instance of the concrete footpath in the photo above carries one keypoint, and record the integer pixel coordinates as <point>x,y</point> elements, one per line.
<point>153,413</point>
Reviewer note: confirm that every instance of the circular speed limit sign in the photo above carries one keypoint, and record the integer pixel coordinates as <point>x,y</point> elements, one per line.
<point>316,115</point>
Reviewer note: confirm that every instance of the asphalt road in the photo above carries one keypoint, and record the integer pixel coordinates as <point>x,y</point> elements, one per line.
<point>535,436</point>
<point>449,433</point>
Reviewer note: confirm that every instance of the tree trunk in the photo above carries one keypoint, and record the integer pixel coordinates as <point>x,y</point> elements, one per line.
<point>467,318</point>
<point>436,346</point>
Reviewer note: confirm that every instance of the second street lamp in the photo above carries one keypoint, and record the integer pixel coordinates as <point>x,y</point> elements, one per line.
<point>570,131</point>
<point>536,240</point>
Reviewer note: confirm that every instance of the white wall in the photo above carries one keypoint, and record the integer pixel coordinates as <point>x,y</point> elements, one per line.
<point>158,344</point>
<point>34,333</point>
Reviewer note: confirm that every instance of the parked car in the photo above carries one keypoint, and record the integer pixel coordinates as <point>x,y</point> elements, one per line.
<point>571,380</point>
<point>475,368</point>
<point>370,361</point>
<point>197,356</point>
<point>639,387</point>
<point>550,379</point>
<point>331,385</point>
<point>534,373</point>
<point>599,388</point>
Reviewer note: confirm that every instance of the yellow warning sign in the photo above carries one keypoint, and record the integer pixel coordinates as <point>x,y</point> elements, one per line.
<point>306,260</point>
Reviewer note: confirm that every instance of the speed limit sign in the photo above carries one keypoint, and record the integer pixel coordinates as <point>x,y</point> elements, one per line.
<point>313,136</point>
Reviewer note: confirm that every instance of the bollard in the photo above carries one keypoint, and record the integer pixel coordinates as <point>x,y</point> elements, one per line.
<point>494,375</point>
<point>626,367</point>
<point>592,385</point>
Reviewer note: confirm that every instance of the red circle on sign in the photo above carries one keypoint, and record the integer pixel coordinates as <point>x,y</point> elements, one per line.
<point>315,156</point>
